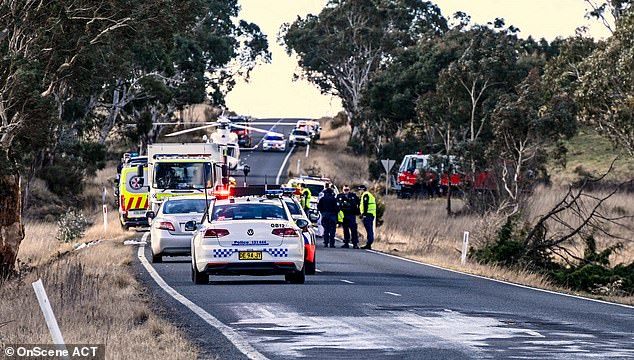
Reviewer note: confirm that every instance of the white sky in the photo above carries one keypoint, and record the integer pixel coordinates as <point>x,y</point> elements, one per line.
<point>271,91</point>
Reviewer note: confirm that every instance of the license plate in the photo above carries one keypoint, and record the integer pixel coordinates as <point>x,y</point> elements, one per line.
<point>136,213</point>
<point>249,255</point>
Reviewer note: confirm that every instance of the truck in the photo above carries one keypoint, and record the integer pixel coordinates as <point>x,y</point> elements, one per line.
<point>426,175</point>
<point>132,197</point>
<point>179,169</point>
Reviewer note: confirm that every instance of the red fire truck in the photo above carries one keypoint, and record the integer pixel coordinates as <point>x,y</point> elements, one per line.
<point>424,174</point>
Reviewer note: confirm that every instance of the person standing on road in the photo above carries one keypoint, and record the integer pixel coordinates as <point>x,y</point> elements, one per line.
<point>368,214</point>
<point>329,209</point>
<point>349,204</point>
<point>304,198</point>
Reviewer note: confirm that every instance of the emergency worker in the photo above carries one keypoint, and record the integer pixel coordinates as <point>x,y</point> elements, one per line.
<point>304,197</point>
<point>348,203</point>
<point>368,214</point>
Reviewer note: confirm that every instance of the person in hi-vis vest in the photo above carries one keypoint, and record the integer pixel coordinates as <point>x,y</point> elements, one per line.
<point>368,214</point>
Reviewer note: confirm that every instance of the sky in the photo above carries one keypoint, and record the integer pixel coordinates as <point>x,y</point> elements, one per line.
<point>271,91</point>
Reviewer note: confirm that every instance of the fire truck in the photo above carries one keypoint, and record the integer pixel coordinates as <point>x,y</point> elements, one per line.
<point>427,175</point>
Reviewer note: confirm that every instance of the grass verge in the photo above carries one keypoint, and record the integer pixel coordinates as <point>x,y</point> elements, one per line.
<point>94,294</point>
<point>421,230</point>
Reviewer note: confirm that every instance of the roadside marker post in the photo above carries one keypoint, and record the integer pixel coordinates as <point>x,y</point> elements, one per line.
<point>387,165</point>
<point>298,162</point>
<point>465,247</point>
<point>307,149</point>
<point>49,316</point>
<point>104,193</point>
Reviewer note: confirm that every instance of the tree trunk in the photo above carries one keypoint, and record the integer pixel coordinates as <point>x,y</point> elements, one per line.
<point>11,227</point>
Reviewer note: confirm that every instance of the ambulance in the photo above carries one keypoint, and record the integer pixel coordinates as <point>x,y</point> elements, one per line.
<point>133,197</point>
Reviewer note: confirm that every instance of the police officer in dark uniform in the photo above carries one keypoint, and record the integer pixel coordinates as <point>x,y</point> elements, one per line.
<point>349,204</point>
<point>328,207</point>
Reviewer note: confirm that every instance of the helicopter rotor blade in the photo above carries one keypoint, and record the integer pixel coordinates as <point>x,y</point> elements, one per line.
<point>185,123</point>
<point>256,129</point>
<point>190,130</point>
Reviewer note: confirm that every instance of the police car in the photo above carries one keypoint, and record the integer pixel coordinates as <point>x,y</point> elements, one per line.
<point>251,235</point>
<point>295,208</point>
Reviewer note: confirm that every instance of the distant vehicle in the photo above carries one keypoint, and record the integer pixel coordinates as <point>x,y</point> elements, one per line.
<point>317,126</point>
<point>299,137</point>
<point>307,126</point>
<point>248,236</point>
<point>315,185</point>
<point>275,142</point>
<point>244,134</point>
<point>425,174</point>
<point>167,231</point>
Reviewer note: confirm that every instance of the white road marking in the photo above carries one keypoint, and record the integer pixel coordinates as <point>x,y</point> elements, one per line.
<point>236,339</point>
<point>347,281</point>
<point>391,293</point>
<point>502,281</point>
<point>279,173</point>
<point>317,270</point>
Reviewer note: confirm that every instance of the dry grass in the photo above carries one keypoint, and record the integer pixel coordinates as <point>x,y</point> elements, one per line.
<point>94,295</point>
<point>421,230</point>
<point>93,291</point>
<point>344,167</point>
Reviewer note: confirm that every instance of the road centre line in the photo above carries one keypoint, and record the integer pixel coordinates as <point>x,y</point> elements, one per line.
<point>347,281</point>
<point>238,341</point>
<point>391,293</point>
<point>501,281</point>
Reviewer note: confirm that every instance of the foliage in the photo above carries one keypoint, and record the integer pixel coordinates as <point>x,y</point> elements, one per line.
<point>340,49</point>
<point>341,119</point>
<point>394,150</point>
<point>71,226</point>
<point>605,93</point>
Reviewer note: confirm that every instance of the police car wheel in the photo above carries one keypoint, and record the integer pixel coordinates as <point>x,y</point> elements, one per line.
<point>198,278</point>
<point>310,266</point>
<point>298,277</point>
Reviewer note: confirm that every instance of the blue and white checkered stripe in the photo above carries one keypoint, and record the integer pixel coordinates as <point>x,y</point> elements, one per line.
<point>278,252</point>
<point>223,253</point>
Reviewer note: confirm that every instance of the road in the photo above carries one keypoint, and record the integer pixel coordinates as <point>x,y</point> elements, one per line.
<point>366,305</point>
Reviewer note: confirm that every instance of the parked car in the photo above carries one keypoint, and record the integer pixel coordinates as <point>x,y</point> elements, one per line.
<point>248,236</point>
<point>299,137</point>
<point>168,236</point>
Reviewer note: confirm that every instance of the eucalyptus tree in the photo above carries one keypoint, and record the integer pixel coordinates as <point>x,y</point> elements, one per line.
<point>605,91</point>
<point>342,47</point>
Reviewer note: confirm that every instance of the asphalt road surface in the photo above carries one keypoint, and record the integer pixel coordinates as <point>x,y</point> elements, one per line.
<point>366,305</point>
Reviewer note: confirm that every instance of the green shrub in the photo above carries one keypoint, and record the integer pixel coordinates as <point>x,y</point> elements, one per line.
<point>341,119</point>
<point>71,226</point>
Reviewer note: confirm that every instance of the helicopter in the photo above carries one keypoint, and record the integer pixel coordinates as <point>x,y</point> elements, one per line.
<point>224,136</point>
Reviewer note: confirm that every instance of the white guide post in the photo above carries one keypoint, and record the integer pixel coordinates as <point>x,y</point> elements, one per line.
<point>465,247</point>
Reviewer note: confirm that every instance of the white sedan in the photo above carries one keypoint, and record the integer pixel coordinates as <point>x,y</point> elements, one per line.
<point>248,236</point>
<point>167,231</point>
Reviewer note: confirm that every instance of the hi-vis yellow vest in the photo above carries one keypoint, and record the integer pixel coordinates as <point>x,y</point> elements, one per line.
<point>305,198</point>
<point>371,204</point>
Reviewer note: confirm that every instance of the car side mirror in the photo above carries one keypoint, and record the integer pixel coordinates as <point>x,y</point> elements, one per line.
<point>191,225</point>
<point>302,223</point>
<point>313,216</point>
<point>150,214</point>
